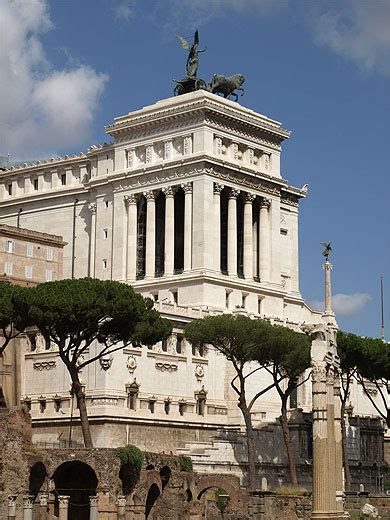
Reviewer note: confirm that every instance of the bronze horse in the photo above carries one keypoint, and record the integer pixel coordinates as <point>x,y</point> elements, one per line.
<point>226,85</point>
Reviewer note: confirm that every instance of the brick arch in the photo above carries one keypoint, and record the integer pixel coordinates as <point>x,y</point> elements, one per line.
<point>153,477</point>
<point>230,484</point>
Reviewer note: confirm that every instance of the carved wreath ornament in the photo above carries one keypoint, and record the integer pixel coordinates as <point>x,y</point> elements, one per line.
<point>131,364</point>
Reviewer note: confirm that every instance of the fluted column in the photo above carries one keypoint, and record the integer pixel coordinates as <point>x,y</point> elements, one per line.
<point>248,236</point>
<point>232,232</point>
<point>338,445</point>
<point>264,240</point>
<point>131,256</point>
<point>169,231</point>
<point>28,501</point>
<point>150,256</point>
<point>217,226</point>
<point>187,225</point>
<point>92,239</point>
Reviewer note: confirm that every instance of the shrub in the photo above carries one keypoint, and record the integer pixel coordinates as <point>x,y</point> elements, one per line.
<point>130,454</point>
<point>185,463</point>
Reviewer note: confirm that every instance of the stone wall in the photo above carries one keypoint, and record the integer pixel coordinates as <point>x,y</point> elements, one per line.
<point>355,501</point>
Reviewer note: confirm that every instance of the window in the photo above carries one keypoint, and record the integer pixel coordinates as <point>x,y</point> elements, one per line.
<point>35,184</point>
<point>50,254</point>
<point>179,344</point>
<point>259,306</point>
<point>283,231</point>
<point>175,297</point>
<point>132,401</point>
<point>227,299</point>
<point>164,345</point>
<point>8,268</point>
<point>106,203</point>
<point>151,405</point>
<point>57,404</point>
<point>155,297</point>
<point>42,404</point>
<point>105,233</point>
<point>9,189</point>
<point>29,249</point>
<point>200,405</point>
<point>49,275</point>
<point>29,271</point>
<point>10,246</point>
<point>33,342</point>
<point>104,263</point>
<point>63,179</point>
<point>167,406</point>
<point>182,407</point>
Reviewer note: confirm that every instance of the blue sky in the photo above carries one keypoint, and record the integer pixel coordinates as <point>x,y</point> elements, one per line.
<point>322,68</point>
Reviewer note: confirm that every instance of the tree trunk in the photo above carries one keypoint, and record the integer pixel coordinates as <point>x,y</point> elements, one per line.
<point>287,441</point>
<point>347,474</point>
<point>81,404</point>
<point>251,445</point>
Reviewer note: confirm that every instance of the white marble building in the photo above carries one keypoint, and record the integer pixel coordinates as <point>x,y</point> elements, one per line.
<point>188,205</point>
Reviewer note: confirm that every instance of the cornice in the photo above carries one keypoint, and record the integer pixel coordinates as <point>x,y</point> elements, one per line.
<point>156,114</point>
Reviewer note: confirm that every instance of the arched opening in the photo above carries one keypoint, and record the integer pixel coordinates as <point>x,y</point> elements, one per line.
<point>165,474</point>
<point>150,466</point>
<point>129,477</point>
<point>77,480</point>
<point>153,495</point>
<point>188,495</point>
<point>37,478</point>
<point>215,500</point>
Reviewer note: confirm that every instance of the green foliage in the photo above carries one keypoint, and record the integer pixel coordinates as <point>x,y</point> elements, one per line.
<point>13,318</point>
<point>75,313</point>
<point>185,463</point>
<point>130,454</point>
<point>221,499</point>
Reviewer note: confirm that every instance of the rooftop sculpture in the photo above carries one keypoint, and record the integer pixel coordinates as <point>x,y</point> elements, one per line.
<point>219,84</point>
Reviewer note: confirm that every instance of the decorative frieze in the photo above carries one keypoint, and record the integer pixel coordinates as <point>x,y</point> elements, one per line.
<point>44,365</point>
<point>166,367</point>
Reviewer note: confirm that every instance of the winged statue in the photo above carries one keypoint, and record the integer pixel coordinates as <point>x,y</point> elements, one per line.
<point>327,249</point>
<point>193,51</point>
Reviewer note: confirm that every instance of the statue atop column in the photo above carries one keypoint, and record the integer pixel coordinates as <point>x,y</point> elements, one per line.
<point>327,250</point>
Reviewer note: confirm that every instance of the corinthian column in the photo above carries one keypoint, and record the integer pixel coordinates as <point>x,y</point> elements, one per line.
<point>169,231</point>
<point>217,226</point>
<point>43,502</point>
<point>92,239</point>
<point>232,232</point>
<point>63,507</point>
<point>248,236</point>
<point>150,257</point>
<point>93,508</point>
<point>264,240</point>
<point>28,501</point>
<point>187,225</point>
<point>131,257</point>
<point>11,507</point>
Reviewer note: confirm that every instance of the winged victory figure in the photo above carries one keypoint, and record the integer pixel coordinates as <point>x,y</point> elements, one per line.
<point>193,51</point>
<point>327,249</point>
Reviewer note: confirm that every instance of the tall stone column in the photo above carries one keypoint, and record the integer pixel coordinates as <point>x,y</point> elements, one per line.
<point>338,445</point>
<point>248,236</point>
<point>328,289</point>
<point>11,507</point>
<point>131,257</point>
<point>217,226</point>
<point>63,507</point>
<point>43,506</point>
<point>169,231</point>
<point>92,239</point>
<point>187,226</point>
<point>28,501</point>
<point>264,240</point>
<point>232,233</point>
<point>93,508</point>
<point>150,257</point>
<point>121,507</point>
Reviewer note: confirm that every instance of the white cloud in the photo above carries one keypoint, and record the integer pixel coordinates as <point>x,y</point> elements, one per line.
<point>42,110</point>
<point>355,29</point>
<point>344,304</point>
<point>124,10</point>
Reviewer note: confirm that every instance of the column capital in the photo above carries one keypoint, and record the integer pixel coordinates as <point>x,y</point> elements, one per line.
<point>168,191</point>
<point>93,501</point>
<point>43,498</point>
<point>265,203</point>
<point>28,501</point>
<point>187,187</point>
<point>249,198</point>
<point>11,500</point>
<point>149,195</point>
<point>63,501</point>
<point>233,194</point>
<point>218,188</point>
<point>327,266</point>
<point>130,199</point>
<point>92,207</point>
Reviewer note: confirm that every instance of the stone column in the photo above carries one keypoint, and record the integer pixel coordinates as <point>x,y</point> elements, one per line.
<point>43,503</point>
<point>11,507</point>
<point>150,257</point>
<point>131,260</point>
<point>232,233</point>
<point>28,501</point>
<point>63,507</point>
<point>217,226</point>
<point>264,240</point>
<point>92,239</point>
<point>248,236</point>
<point>169,247</point>
<point>121,507</point>
<point>187,226</point>
<point>328,288</point>
<point>93,508</point>
<point>338,445</point>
